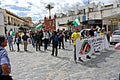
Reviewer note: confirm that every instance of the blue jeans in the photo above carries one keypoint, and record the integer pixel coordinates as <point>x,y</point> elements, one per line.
<point>33,42</point>
<point>11,46</point>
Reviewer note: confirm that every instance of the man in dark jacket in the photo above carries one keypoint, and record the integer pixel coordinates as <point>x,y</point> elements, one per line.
<point>37,40</point>
<point>25,38</point>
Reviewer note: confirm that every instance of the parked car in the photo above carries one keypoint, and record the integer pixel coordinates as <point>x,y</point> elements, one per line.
<point>115,37</point>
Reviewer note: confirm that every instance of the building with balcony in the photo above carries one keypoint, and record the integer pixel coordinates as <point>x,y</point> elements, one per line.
<point>12,21</point>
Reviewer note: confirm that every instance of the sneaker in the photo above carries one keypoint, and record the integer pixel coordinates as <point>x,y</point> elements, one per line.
<point>80,59</point>
<point>88,57</point>
<point>52,55</point>
<point>26,50</point>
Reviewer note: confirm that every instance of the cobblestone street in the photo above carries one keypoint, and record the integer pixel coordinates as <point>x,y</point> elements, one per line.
<point>41,65</point>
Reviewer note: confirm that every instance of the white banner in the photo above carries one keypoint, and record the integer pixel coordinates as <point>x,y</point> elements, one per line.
<point>91,45</point>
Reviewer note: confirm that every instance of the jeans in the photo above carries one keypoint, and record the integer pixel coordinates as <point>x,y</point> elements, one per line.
<point>33,42</point>
<point>54,48</point>
<point>11,46</point>
<point>25,45</point>
<point>18,48</point>
<point>61,42</point>
<point>45,44</point>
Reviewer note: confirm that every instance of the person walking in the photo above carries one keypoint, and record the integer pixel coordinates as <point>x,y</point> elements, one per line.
<point>5,66</point>
<point>54,44</point>
<point>10,42</point>
<point>87,36</point>
<point>76,35</point>
<point>17,41</point>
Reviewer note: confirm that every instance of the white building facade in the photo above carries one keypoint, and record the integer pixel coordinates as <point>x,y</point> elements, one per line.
<point>109,14</point>
<point>2,23</point>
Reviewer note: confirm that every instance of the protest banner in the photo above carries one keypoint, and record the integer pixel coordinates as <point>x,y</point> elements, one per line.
<point>91,45</point>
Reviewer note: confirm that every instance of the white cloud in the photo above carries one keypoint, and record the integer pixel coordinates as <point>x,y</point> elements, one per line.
<point>37,7</point>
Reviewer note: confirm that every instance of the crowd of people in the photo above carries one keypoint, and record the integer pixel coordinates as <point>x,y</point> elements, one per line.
<point>40,38</point>
<point>85,34</point>
<point>45,38</point>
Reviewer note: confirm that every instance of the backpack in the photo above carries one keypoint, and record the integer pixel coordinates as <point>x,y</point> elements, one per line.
<point>56,38</point>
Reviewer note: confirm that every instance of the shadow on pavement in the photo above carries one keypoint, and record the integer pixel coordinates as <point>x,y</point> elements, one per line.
<point>63,58</point>
<point>29,52</point>
<point>49,50</point>
<point>67,49</point>
<point>98,59</point>
<point>20,51</point>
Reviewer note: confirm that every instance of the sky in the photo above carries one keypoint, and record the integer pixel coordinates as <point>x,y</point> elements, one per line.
<point>36,8</point>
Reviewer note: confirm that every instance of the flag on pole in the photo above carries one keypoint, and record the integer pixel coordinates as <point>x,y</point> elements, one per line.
<point>76,22</point>
<point>12,33</point>
<point>39,26</point>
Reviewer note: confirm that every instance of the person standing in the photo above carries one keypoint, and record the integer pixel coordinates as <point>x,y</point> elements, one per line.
<point>61,39</point>
<point>46,39</point>
<point>70,33</point>
<point>25,37</point>
<point>17,41</point>
<point>54,44</point>
<point>91,32</point>
<point>87,36</point>
<point>10,40</point>
<point>76,35</point>
<point>32,36</point>
<point>37,40</point>
<point>102,32</point>
<point>5,66</point>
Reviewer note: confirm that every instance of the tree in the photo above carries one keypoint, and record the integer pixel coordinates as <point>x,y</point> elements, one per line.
<point>49,7</point>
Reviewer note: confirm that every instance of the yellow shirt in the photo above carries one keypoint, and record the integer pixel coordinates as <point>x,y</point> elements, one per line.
<point>101,33</point>
<point>75,36</point>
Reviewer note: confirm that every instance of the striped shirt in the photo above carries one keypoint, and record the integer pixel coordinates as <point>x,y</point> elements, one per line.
<point>4,59</point>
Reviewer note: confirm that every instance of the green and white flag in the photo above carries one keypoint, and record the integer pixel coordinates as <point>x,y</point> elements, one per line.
<point>12,33</point>
<point>39,26</point>
<point>76,22</point>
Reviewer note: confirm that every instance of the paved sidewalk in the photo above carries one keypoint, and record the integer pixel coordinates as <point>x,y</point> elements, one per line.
<point>41,65</point>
